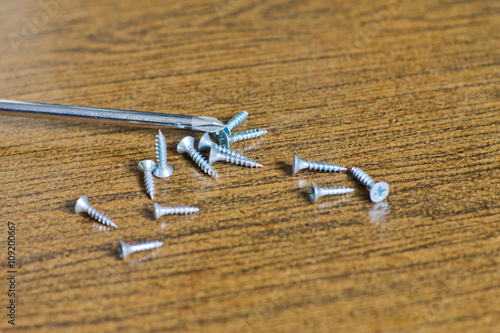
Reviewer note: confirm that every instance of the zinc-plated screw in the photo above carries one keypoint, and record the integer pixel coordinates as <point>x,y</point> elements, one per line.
<point>162,210</point>
<point>216,154</point>
<point>206,144</point>
<point>187,146</point>
<point>82,205</point>
<point>316,192</point>
<point>237,120</point>
<point>299,164</point>
<point>378,191</point>
<point>226,138</point>
<point>125,249</point>
<point>162,170</point>
<point>148,166</point>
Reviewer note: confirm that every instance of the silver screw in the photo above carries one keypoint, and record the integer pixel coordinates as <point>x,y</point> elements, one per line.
<point>82,205</point>
<point>162,170</point>
<point>125,249</point>
<point>216,154</point>
<point>299,164</point>
<point>206,144</point>
<point>378,191</point>
<point>162,210</point>
<point>237,120</point>
<point>187,146</point>
<point>226,138</point>
<point>316,192</point>
<point>148,166</point>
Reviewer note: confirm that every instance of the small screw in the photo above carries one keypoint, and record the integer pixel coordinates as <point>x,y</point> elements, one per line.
<point>187,146</point>
<point>161,210</point>
<point>206,144</point>
<point>148,166</point>
<point>162,170</point>
<point>125,249</point>
<point>299,164</point>
<point>82,205</point>
<point>316,192</point>
<point>216,154</point>
<point>237,120</point>
<point>226,138</point>
<point>378,191</point>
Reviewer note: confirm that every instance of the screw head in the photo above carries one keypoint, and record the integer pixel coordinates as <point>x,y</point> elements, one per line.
<point>185,145</point>
<point>163,172</point>
<point>314,192</point>
<point>223,137</point>
<point>147,165</point>
<point>298,164</point>
<point>205,142</point>
<point>157,211</point>
<point>122,250</point>
<point>379,191</point>
<point>82,204</point>
<point>214,154</point>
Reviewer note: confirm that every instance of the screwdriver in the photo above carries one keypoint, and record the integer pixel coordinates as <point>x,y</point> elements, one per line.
<point>122,117</point>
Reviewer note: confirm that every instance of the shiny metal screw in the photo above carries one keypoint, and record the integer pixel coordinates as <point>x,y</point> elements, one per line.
<point>187,146</point>
<point>162,170</point>
<point>216,154</point>
<point>378,191</point>
<point>162,210</point>
<point>82,205</point>
<point>237,120</point>
<point>206,144</point>
<point>125,249</point>
<point>148,166</point>
<point>226,138</point>
<point>299,164</point>
<point>316,192</point>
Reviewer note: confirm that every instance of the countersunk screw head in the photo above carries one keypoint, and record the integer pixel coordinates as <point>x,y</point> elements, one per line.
<point>205,142</point>
<point>147,166</point>
<point>314,191</point>
<point>123,250</point>
<point>379,191</point>
<point>224,137</point>
<point>163,172</point>
<point>185,144</point>
<point>298,164</point>
<point>82,205</point>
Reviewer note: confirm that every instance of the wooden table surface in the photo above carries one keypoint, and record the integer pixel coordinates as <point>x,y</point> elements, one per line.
<point>406,90</point>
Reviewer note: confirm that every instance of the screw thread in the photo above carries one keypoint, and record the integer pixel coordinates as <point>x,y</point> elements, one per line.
<point>336,190</point>
<point>247,135</point>
<point>144,246</point>
<point>161,150</point>
<point>237,120</point>
<point>362,177</point>
<point>236,160</point>
<point>181,210</point>
<point>150,184</point>
<point>202,162</point>
<point>100,217</point>
<point>325,167</point>
<point>228,151</point>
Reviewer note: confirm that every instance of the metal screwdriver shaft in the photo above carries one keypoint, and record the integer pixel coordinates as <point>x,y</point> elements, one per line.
<point>122,117</point>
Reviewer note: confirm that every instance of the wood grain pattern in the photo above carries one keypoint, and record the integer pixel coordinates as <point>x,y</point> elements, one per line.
<point>406,90</point>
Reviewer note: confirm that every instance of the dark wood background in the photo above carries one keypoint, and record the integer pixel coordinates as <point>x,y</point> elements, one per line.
<point>406,90</point>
